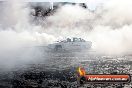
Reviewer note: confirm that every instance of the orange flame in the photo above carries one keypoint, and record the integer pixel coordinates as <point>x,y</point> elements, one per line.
<point>81,71</point>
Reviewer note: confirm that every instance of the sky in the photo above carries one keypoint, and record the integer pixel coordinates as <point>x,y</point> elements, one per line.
<point>96,1</point>
<point>92,4</point>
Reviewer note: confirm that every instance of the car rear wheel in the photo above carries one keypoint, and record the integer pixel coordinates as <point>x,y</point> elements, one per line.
<point>58,48</point>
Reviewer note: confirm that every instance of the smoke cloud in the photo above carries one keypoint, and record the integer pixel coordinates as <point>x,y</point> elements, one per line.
<point>108,27</point>
<point>113,30</point>
<point>18,37</point>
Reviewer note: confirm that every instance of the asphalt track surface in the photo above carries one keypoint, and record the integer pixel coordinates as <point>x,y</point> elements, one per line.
<point>60,68</point>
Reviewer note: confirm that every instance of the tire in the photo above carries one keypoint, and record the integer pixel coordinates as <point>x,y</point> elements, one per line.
<point>58,48</point>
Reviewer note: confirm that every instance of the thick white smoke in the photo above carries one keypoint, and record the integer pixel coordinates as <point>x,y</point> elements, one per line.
<point>108,27</point>
<point>18,37</point>
<point>112,33</point>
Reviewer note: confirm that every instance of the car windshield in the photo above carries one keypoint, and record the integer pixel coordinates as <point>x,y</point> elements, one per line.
<point>76,39</point>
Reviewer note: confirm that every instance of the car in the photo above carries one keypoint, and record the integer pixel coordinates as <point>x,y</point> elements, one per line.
<point>70,44</point>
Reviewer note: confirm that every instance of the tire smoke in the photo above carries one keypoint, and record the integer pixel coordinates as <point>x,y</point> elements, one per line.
<point>109,27</point>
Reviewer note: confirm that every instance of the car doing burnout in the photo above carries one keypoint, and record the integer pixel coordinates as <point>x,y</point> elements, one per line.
<point>74,44</point>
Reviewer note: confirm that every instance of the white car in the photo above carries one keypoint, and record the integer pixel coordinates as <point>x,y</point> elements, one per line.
<point>74,44</point>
